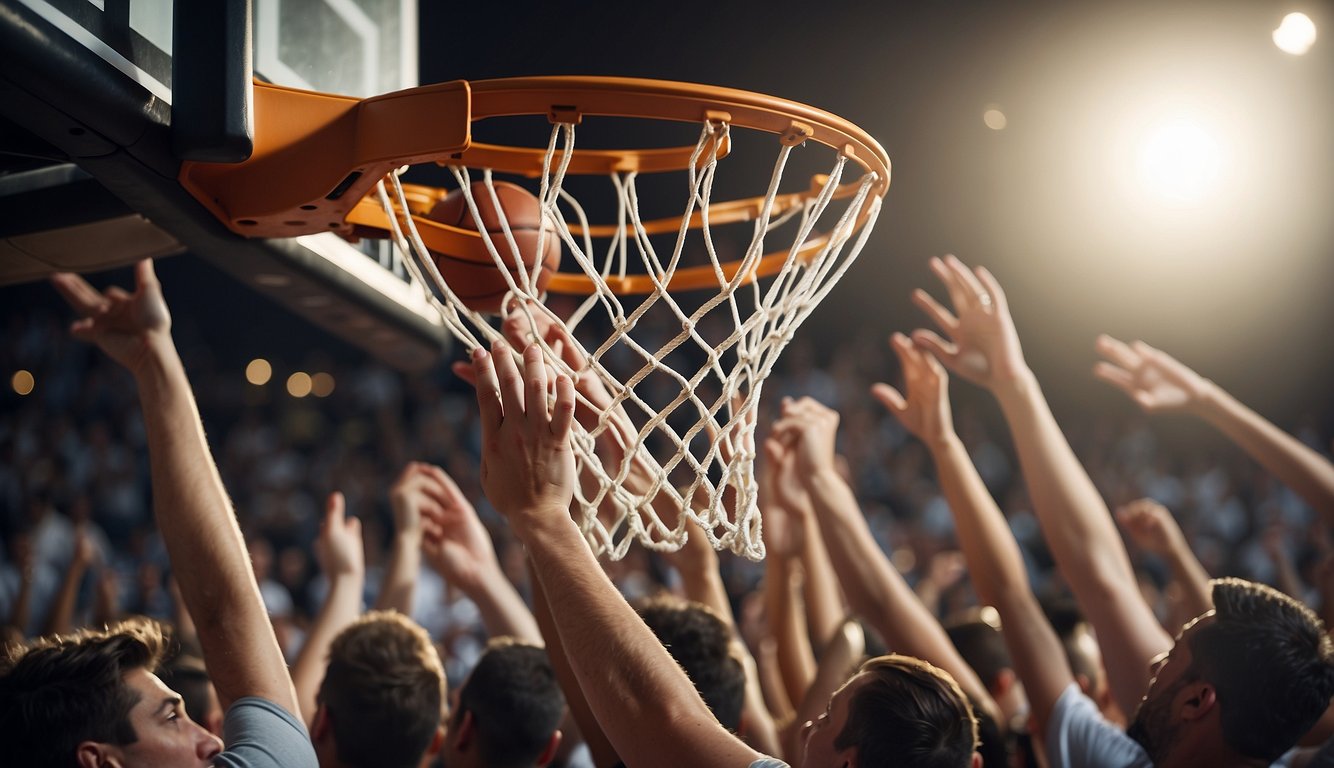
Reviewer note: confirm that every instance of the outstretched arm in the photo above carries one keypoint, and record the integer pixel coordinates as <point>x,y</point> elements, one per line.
<point>983,347</point>
<point>400,577</point>
<point>626,675</point>
<point>61,620</point>
<point>994,560</point>
<point>194,514</point>
<point>1158,382</point>
<point>458,546</point>
<point>803,443</point>
<point>342,557</point>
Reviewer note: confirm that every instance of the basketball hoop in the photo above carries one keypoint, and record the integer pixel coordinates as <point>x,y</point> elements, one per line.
<point>679,402</point>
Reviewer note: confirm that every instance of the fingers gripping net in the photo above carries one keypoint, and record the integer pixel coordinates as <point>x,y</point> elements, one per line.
<point>665,419</point>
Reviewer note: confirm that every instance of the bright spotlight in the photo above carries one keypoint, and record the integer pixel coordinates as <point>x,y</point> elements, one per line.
<point>994,118</point>
<point>22,382</point>
<point>1179,160</point>
<point>1295,34</point>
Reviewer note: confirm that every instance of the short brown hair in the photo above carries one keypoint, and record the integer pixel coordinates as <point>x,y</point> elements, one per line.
<point>60,691</point>
<point>1270,662</point>
<point>384,691</point>
<point>909,714</point>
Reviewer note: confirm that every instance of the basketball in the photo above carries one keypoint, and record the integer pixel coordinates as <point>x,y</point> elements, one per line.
<point>474,278</point>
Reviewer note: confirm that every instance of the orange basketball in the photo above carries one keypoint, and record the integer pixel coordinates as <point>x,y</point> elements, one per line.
<point>474,277</point>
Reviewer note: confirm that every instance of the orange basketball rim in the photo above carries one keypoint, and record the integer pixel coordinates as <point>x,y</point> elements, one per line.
<point>317,156</point>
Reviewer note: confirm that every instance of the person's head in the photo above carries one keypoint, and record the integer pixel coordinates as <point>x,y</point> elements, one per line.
<point>701,643</point>
<point>1083,654</point>
<point>509,710</point>
<point>1254,674</point>
<point>982,645</point>
<point>383,697</point>
<point>896,711</point>
<point>91,698</point>
<point>187,676</point>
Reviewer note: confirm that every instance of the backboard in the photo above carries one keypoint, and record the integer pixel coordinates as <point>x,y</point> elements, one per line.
<point>87,157</point>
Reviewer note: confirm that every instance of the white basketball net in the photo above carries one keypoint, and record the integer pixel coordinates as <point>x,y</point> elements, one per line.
<point>698,422</point>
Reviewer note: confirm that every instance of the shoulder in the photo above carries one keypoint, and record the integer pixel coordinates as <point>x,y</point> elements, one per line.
<point>1078,736</point>
<point>260,734</point>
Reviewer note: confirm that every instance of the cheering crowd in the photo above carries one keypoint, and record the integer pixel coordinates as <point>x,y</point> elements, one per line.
<point>391,576</point>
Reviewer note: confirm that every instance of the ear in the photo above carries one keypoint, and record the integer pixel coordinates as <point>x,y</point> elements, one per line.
<point>549,753</point>
<point>977,761</point>
<point>437,741</point>
<point>465,727</point>
<point>1004,682</point>
<point>1197,701</point>
<point>320,727</point>
<point>91,754</point>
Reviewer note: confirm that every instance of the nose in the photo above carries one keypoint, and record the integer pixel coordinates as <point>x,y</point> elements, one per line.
<point>208,746</point>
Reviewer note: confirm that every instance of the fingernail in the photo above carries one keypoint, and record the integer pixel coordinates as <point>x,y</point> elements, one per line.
<point>478,354</point>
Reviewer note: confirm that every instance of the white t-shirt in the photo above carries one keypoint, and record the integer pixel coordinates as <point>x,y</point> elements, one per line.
<point>1079,737</point>
<point>769,762</point>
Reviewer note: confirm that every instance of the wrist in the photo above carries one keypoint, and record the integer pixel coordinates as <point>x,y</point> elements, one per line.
<point>1211,401</point>
<point>1015,386</point>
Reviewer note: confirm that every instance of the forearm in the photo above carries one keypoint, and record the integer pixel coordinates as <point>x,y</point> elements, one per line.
<point>1297,466</point>
<point>504,613</point>
<point>625,674</point>
<point>825,612</point>
<point>400,580</point>
<point>204,542</point>
<point>61,619</point>
<point>782,598</point>
<point>1187,571</point>
<point>20,615</point>
<point>996,567</point>
<point>877,591</point>
<point>1084,541</point>
<point>341,608</point>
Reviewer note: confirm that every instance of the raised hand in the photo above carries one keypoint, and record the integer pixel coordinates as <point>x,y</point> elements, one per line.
<point>338,548</point>
<point>925,411</point>
<point>527,461</point>
<point>457,544</point>
<point>1151,526</point>
<point>122,324</point>
<point>783,500</point>
<point>417,486</point>
<point>810,429</point>
<point>980,341</point>
<point>1152,378</point>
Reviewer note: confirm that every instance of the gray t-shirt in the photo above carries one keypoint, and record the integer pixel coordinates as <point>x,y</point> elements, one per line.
<point>1079,737</point>
<point>261,734</point>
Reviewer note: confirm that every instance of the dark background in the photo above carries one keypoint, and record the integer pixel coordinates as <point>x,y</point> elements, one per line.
<point>1238,287</point>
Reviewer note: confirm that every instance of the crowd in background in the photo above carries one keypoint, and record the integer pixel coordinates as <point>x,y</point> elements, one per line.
<point>74,466</point>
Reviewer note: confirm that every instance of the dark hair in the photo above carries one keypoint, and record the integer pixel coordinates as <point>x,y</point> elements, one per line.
<point>187,676</point>
<point>1271,665</point>
<point>982,646</point>
<point>61,691</point>
<point>383,692</point>
<point>700,642</point>
<point>909,714</point>
<point>515,701</point>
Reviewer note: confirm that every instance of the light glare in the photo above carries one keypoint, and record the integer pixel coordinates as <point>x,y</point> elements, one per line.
<point>298,384</point>
<point>1295,34</point>
<point>22,382</point>
<point>322,384</point>
<point>258,372</point>
<point>1179,161</point>
<point>995,119</point>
